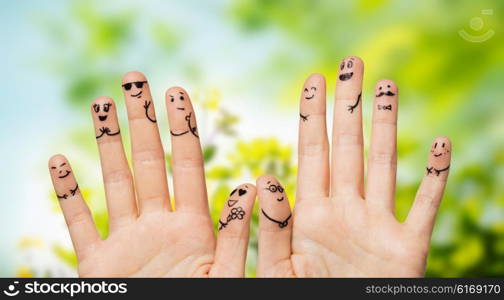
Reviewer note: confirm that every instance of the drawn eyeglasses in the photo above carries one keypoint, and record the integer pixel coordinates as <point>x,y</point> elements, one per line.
<point>273,188</point>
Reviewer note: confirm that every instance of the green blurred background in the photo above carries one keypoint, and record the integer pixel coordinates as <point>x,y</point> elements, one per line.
<point>244,63</point>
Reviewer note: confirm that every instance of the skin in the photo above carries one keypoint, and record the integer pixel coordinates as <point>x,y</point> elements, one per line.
<point>147,237</point>
<point>341,226</point>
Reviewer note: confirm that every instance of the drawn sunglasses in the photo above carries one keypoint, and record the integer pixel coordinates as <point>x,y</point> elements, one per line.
<point>138,84</point>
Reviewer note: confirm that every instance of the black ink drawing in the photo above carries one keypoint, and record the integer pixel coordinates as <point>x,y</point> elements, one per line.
<point>384,107</point>
<point>67,172</point>
<point>309,97</point>
<point>303,117</point>
<point>64,196</point>
<point>107,131</point>
<point>281,224</point>
<point>241,192</point>
<point>352,107</point>
<point>138,85</point>
<point>274,188</point>
<point>383,93</point>
<point>235,213</point>
<point>105,107</point>
<point>72,192</point>
<point>146,106</point>
<point>192,129</point>
<point>432,169</point>
<point>437,153</point>
<point>349,65</point>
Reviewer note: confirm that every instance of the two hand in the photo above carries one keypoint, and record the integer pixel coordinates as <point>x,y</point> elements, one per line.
<point>336,229</point>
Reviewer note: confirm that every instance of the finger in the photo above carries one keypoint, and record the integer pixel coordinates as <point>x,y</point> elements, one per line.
<point>382,159</point>
<point>313,173</point>
<point>234,227</point>
<point>423,213</point>
<point>347,162</point>
<point>275,228</point>
<point>147,151</point>
<point>116,172</point>
<point>187,160</point>
<point>77,215</point>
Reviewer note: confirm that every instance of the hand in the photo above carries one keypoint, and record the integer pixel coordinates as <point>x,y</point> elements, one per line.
<point>337,228</point>
<point>147,238</point>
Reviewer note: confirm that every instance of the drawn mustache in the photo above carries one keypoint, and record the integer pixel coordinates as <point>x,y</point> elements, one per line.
<point>387,93</point>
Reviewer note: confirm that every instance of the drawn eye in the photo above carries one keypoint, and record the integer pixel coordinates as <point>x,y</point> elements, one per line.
<point>306,90</point>
<point>442,145</point>
<point>381,88</point>
<point>435,145</point>
<point>388,85</point>
<point>172,99</point>
<point>313,88</point>
<point>96,108</point>
<point>127,86</point>
<point>234,191</point>
<point>342,65</point>
<point>272,188</point>
<point>181,98</point>
<point>53,168</point>
<point>106,107</point>
<point>349,64</point>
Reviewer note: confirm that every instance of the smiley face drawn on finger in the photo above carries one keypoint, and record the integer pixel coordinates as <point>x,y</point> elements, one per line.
<point>178,100</point>
<point>101,108</point>
<point>276,188</point>
<point>309,93</point>
<point>135,88</point>
<point>62,170</point>
<point>235,212</point>
<point>240,192</point>
<point>438,162</point>
<point>384,91</point>
<point>347,69</point>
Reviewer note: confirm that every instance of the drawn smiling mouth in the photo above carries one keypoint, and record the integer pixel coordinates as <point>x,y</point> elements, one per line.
<point>68,172</point>
<point>180,108</point>
<point>137,95</point>
<point>280,199</point>
<point>102,118</point>
<point>387,93</point>
<point>345,76</point>
<point>231,202</point>
<point>311,97</point>
<point>438,155</point>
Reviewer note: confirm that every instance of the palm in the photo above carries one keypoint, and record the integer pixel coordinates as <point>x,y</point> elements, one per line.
<point>157,244</point>
<point>361,244</point>
<point>341,225</point>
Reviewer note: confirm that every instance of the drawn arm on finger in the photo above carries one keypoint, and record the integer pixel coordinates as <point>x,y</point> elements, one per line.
<point>303,117</point>
<point>106,131</point>
<point>192,129</point>
<point>146,106</point>
<point>352,107</point>
<point>281,224</point>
